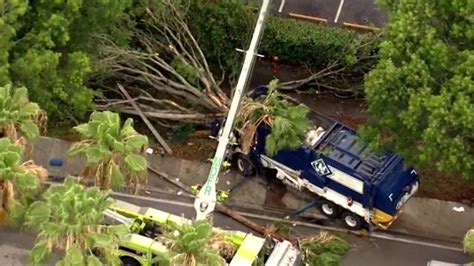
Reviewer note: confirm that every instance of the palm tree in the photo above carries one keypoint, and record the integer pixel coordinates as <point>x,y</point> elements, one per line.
<point>196,244</point>
<point>112,151</point>
<point>69,217</point>
<point>19,114</point>
<point>19,181</point>
<point>289,122</point>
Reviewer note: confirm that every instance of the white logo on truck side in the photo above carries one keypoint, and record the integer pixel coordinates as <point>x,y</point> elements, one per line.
<point>320,167</point>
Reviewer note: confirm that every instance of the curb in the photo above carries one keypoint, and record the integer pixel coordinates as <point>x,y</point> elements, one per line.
<point>360,27</point>
<point>310,18</point>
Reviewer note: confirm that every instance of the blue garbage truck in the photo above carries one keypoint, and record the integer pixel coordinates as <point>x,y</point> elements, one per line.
<point>349,181</point>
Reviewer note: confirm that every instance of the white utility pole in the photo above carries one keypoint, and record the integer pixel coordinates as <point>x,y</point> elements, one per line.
<point>206,199</point>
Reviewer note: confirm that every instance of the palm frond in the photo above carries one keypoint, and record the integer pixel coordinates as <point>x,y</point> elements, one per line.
<point>114,152</point>
<point>289,123</point>
<point>35,169</point>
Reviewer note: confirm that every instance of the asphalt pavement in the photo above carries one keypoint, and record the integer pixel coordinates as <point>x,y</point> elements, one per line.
<point>364,251</point>
<point>14,245</point>
<point>336,12</point>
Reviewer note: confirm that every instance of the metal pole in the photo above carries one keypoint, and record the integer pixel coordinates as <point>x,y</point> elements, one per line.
<point>206,200</point>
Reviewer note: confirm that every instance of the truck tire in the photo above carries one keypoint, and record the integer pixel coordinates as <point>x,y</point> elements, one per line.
<point>352,221</point>
<point>129,261</point>
<point>244,165</point>
<point>329,209</point>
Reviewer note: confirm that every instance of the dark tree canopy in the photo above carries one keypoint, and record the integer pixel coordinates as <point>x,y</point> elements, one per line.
<point>422,92</point>
<point>48,45</point>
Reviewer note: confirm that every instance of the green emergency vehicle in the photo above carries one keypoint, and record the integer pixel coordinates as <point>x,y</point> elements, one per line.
<point>143,248</point>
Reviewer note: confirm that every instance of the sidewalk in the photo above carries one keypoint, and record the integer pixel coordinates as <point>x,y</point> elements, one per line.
<point>422,217</point>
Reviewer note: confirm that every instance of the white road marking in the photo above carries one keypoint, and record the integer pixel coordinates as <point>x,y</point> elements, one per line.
<point>298,223</point>
<point>281,6</point>
<point>339,11</point>
<point>378,235</point>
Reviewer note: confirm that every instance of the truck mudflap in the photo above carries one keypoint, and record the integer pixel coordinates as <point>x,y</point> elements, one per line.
<point>385,220</point>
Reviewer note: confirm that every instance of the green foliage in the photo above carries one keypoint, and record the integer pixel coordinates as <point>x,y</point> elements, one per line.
<point>114,152</point>
<point>422,90</point>
<point>69,217</point>
<point>18,113</point>
<point>182,132</point>
<point>9,23</point>
<point>468,241</point>
<point>191,245</point>
<point>49,46</point>
<point>289,123</point>
<point>188,72</point>
<point>221,27</point>
<point>298,42</point>
<point>282,228</point>
<point>324,250</point>
<point>19,181</point>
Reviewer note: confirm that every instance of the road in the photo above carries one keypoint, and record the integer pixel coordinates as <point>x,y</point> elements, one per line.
<point>336,12</point>
<point>364,251</point>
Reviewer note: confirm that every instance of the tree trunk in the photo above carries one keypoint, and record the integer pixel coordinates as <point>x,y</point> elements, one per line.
<point>263,230</point>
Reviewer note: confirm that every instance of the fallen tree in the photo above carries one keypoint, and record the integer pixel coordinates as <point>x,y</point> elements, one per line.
<point>166,71</point>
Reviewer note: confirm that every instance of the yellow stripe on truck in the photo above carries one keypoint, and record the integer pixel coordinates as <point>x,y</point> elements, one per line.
<point>381,217</point>
<point>248,251</point>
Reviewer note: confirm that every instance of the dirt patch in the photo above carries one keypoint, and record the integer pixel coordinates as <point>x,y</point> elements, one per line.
<point>195,148</point>
<point>443,187</point>
<point>352,122</point>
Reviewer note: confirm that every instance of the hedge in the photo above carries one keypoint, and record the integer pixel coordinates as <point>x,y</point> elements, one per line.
<point>223,25</point>
<point>298,42</point>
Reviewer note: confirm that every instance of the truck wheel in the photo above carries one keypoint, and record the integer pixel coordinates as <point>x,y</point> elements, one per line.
<point>329,209</point>
<point>129,261</point>
<point>244,165</point>
<point>352,221</point>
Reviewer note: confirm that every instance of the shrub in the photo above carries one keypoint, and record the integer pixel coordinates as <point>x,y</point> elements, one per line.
<point>223,25</point>
<point>298,42</point>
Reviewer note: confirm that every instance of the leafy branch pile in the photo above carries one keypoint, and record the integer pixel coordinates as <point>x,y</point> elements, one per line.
<point>324,250</point>
<point>289,123</point>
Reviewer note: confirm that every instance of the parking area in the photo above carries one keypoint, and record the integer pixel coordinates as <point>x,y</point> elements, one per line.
<point>364,12</point>
<point>335,12</point>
